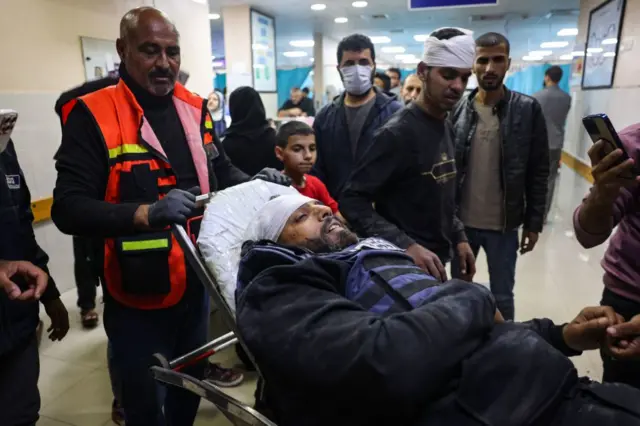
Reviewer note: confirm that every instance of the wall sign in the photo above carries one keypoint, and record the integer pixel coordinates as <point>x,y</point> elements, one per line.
<point>263,52</point>
<point>439,4</point>
<point>601,57</point>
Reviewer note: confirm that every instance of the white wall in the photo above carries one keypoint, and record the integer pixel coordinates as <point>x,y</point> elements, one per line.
<point>45,58</point>
<point>619,101</point>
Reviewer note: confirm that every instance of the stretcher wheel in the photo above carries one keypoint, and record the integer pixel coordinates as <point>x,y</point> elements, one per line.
<point>159,360</point>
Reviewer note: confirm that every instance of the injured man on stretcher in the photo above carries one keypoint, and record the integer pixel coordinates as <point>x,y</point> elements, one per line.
<point>351,332</point>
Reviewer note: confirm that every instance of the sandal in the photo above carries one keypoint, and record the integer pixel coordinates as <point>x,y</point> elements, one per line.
<point>89,318</point>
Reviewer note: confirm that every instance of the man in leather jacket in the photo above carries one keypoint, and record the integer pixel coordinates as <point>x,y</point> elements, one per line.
<point>502,156</point>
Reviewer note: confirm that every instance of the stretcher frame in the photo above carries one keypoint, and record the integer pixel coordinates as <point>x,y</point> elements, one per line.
<point>169,372</point>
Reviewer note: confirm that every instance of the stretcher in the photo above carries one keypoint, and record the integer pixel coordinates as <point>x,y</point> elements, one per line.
<point>168,372</point>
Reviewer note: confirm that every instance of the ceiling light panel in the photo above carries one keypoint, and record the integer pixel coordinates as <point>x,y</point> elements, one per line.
<point>302,43</point>
<point>380,39</point>
<point>554,44</point>
<point>540,53</point>
<point>318,6</point>
<point>341,20</point>
<point>295,54</point>
<point>359,4</point>
<point>568,32</point>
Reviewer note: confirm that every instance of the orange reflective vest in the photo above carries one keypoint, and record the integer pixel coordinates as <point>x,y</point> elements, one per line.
<point>147,270</point>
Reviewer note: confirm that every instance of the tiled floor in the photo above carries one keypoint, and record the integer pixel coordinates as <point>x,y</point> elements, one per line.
<point>557,280</point>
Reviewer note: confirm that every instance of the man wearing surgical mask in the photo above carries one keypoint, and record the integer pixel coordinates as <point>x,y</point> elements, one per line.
<point>404,188</point>
<point>344,129</point>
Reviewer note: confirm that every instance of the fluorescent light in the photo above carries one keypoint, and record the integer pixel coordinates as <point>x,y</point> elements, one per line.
<point>567,32</point>
<point>295,54</point>
<point>217,64</point>
<point>595,50</point>
<point>212,57</point>
<point>610,41</point>
<point>359,4</point>
<point>421,38</point>
<point>214,16</point>
<point>577,53</point>
<point>411,61</point>
<point>259,46</point>
<point>200,1</point>
<point>318,6</point>
<point>532,58</point>
<point>567,57</point>
<point>380,39</point>
<point>554,44</point>
<point>382,66</point>
<point>609,54</point>
<point>405,56</point>
<point>540,53</point>
<point>312,59</point>
<point>393,49</point>
<point>341,20</point>
<point>302,43</point>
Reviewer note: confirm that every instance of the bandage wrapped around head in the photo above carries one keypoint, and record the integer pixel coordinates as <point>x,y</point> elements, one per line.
<point>273,216</point>
<point>456,52</point>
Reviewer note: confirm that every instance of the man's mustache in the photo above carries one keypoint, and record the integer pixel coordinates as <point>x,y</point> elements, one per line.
<point>162,73</point>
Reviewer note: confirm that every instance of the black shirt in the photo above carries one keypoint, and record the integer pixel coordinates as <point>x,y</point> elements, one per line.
<point>409,173</point>
<point>83,169</point>
<point>306,105</point>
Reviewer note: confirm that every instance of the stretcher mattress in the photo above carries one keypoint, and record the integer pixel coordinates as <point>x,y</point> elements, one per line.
<point>226,226</point>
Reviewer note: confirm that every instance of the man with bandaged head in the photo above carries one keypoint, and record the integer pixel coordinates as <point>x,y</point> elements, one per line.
<point>351,332</point>
<point>409,174</point>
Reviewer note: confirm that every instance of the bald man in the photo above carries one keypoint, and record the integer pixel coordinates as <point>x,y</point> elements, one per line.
<point>132,160</point>
<point>411,88</point>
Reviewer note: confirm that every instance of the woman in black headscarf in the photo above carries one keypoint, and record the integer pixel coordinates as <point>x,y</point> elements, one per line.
<point>250,141</point>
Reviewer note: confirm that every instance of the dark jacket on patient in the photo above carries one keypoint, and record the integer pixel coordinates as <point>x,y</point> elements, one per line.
<point>327,361</point>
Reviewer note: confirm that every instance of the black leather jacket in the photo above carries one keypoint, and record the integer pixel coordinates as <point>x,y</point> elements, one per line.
<point>525,155</point>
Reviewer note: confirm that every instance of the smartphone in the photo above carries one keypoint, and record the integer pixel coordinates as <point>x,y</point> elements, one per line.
<point>8,118</point>
<point>599,126</point>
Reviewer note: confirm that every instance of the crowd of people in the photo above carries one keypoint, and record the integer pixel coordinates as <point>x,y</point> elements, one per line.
<point>349,277</point>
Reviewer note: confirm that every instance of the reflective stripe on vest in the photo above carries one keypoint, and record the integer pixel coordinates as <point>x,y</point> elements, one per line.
<point>147,270</point>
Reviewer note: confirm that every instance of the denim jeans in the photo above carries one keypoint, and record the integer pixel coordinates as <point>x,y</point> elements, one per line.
<point>501,249</point>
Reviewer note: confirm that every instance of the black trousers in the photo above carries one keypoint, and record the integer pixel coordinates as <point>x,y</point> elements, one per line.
<point>87,278</point>
<point>616,370</point>
<point>19,396</point>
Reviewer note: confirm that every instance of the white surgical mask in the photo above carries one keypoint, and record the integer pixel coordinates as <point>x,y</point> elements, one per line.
<point>357,79</point>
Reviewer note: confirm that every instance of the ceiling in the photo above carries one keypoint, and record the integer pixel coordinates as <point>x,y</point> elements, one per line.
<point>527,24</point>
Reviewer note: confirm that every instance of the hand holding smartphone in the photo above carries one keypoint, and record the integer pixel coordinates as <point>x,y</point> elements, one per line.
<point>608,154</point>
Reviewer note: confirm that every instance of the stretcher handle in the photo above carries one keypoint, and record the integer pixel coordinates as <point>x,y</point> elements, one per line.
<point>204,351</point>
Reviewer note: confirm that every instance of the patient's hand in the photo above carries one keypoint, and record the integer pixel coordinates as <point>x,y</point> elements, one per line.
<point>624,339</point>
<point>588,330</point>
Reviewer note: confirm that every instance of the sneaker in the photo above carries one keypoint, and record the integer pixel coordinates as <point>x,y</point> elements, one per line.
<point>223,377</point>
<point>117,414</point>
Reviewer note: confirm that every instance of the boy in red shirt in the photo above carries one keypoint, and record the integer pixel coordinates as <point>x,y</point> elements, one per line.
<point>296,148</point>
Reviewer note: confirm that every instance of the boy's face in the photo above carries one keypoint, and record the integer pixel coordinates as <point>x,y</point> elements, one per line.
<point>299,155</point>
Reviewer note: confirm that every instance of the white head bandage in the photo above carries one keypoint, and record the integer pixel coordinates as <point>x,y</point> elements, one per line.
<point>456,52</point>
<point>273,216</point>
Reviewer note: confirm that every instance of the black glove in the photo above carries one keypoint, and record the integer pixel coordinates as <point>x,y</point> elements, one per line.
<point>176,207</point>
<point>272,175</point>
